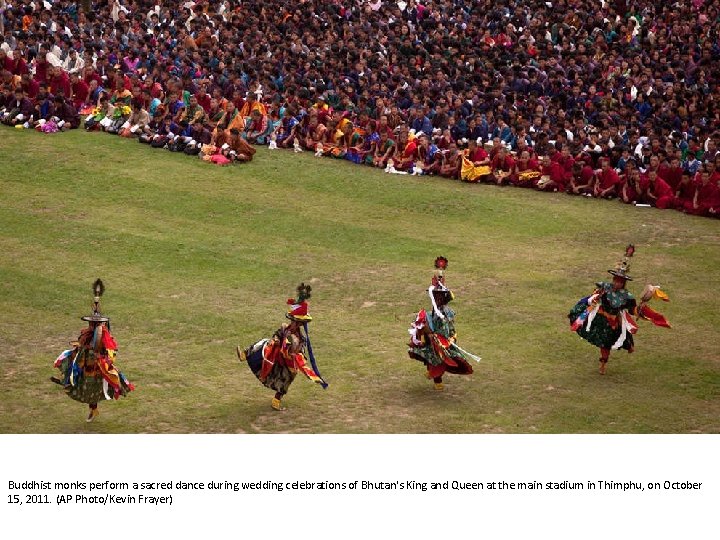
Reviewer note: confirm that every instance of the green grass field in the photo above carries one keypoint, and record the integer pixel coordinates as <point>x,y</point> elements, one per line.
<point>198,258</point>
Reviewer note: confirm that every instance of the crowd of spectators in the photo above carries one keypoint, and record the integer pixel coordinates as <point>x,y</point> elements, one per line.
<point>604,98</point>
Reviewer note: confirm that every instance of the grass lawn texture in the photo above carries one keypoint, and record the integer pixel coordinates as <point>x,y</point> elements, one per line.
<point>198,259</point>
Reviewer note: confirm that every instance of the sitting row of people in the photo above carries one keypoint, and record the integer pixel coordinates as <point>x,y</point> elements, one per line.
<point>181,124</point>
<point>662,187</point>
<point>221,139</point>
<point>642,182</point>
<point>46,112</point>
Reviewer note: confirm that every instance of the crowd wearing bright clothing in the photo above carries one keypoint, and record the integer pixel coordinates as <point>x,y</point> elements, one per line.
<point>609,99</point>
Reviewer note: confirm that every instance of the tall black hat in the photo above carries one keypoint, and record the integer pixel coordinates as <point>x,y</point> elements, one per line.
<point>98,289</point>
<point>623,267</point>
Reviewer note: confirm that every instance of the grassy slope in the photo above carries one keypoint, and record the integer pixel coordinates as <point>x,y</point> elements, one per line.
<point>199,258</point>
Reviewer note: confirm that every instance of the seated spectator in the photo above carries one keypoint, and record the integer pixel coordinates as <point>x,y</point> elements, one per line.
<point>672,174</point>
<point>44,105</point>
<point>428,154</point>
<point>582,179</point>
<point>65,115</point>
<point>101,112</point>
<point>30,85</point>
<point>451,162</point>
<point>633,187</point>
<point>17,111</point>
<point>236,149</point>
<point>475,164</point>
<point>406,151</point>
<point>659,193</point>
<point>6,97</point>
<point>606,181</point>
<point>685,192</point>
<point>79,92</point>
<point>706,200</point>
<point>121,95</point>
<point>526,172</point>
<point>384,149</point>
<point>553,176</point>
<point>256,130</point>
<point>251,105</point>
<point>59,82</point>
<point>193,113</point>
<point>73,63</point>
<point>231,118</point>
<point>138,121</point>
<point>502,166</point>
<point>285,135</point>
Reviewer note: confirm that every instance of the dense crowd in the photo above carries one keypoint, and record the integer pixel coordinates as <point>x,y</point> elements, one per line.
<point>604,98</point>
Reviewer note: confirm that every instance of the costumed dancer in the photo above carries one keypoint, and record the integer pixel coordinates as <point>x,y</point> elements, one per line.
<point>88,373</point>
<point>605,318</point>
<point>276,361</point>
<point>433,340</point>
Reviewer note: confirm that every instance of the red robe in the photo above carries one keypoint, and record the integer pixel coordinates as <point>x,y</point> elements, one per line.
<point>586,175</point>
<point>607,179</point>
<point>708,197</point>
<point>684,195</point>
<point>567,163</point>
<point>557,174</point>
<point>18,67</point>
<point>80,91</point>
<point>156,90</point>
<point>505,165</point>
<point>61,83</point>
<point>526,180</point>
<point>41,69</point>
<point>93,75</point>
<point>478,155</point>
<point>31,88</point>
<point>671,175</point>
<point>662,192</point>
<point>204,101</point>
<point>626,189</point>
<point>409,155</point>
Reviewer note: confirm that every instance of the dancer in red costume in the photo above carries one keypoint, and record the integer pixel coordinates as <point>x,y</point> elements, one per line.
<point>277,360</point>
<point>433,338</point>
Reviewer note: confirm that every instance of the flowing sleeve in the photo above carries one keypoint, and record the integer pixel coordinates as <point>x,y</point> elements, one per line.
<point>108,341</point>
<point>303,366</point>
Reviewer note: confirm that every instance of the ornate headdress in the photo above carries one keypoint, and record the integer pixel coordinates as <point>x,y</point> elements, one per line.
<point>98,289</point>
<point>623,267</point>
<point>438,280</point>
<point>298,307</point>
<point>438,285</point>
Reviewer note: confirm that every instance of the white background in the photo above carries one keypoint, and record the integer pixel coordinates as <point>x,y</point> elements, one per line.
<point>369,515</point>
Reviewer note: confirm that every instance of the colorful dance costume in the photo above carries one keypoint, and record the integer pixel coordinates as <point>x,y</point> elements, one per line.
<point>433,339</point>
<point>88,373</point>
<point>276,361</point>
<point>605,318</point>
